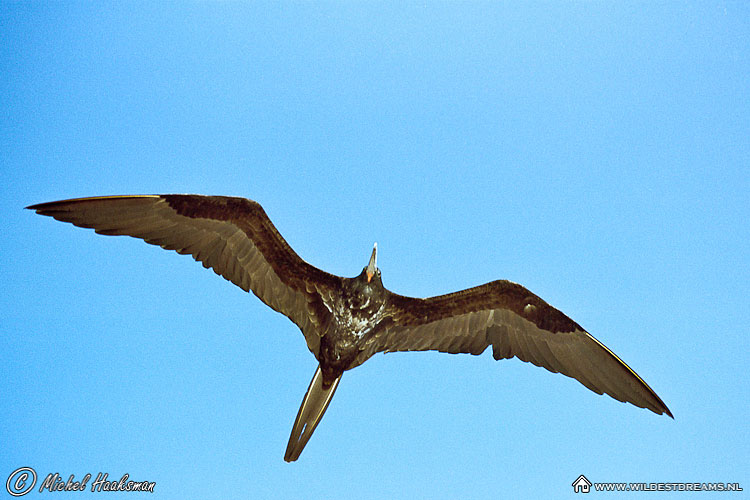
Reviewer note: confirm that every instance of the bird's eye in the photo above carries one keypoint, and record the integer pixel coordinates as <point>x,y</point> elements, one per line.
<point>378,272</point>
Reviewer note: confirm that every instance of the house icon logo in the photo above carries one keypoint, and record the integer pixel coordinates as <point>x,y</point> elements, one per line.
<point>581,485</point>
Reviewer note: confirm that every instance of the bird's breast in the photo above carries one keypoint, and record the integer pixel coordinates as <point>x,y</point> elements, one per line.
<point>359,316</point>
<point>354,316</point>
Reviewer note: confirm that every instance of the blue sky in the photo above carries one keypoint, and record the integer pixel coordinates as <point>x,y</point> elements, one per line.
<point>595,152</point>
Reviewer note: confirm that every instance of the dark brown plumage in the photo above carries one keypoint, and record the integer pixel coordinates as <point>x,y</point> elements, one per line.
<point>347,320</point>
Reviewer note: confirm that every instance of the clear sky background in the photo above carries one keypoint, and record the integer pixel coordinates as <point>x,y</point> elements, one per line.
<point>595,152</point>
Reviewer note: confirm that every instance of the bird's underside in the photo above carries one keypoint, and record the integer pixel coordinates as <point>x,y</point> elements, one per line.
<point>347,320</point>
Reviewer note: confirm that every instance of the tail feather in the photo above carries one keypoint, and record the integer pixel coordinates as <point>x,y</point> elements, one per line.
<point>310,412</point>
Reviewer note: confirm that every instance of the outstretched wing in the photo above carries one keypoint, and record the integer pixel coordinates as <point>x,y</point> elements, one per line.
<point>233,236</point>
<point>515,322</point>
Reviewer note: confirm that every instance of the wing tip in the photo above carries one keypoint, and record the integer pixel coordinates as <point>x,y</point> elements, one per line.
<point>658,406</point>
<point>51,204</point>
<point>665,410</point>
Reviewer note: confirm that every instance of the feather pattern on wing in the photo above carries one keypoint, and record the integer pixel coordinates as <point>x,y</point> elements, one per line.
<point>232,236</point>
<point>515,322</point>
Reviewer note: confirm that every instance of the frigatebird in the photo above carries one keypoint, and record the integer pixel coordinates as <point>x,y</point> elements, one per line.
<point>345,321</point>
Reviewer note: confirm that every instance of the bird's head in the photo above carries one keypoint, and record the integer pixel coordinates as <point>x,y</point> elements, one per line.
<point>372,271</point>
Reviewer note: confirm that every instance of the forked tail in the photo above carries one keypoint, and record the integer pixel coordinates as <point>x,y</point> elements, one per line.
<point>310,412</point>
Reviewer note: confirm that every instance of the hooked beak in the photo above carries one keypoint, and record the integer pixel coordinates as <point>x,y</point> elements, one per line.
<point>372,267</point>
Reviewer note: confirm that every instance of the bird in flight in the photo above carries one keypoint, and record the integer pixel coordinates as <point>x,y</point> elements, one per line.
<point>347,320</point>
